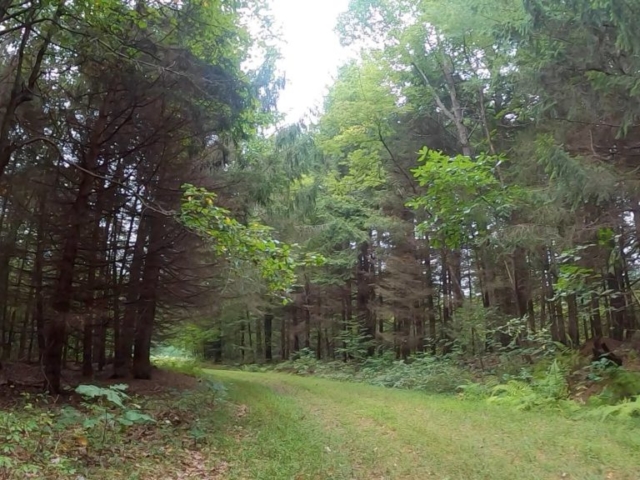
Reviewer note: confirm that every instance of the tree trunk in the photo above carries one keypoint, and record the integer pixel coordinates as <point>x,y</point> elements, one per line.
<point>446,303</point>
<point>365,291</point>
<point>242,345</point>
<point>148,300</point>
<point>572,316</point>
<point>268,331</point>
<point>122,358</point>
<point>259,344</point>
<point>596,319</point>
<point>56,326</point>
<point>284,350</point>
<point>429,293</point>
<point>294,328</point>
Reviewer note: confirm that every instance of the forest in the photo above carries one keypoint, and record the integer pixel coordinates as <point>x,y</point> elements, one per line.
<point>467,196</point>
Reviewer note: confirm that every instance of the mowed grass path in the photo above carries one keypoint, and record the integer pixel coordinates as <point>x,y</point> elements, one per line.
<point>286,427</point>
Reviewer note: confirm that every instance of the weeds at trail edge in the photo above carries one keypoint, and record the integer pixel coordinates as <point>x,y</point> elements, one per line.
<point>423,373</point>
<point>542,386</point>
<point>105,433</point>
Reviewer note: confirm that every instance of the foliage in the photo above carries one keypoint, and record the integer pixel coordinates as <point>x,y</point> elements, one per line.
<point>422,373</point>
<point>171,359</point>
<point>353,342</point>
<point>39,439</point>
<point>470,184</point>
<point>619,383</point>
<point>190,339</point>
<point>628,408</point>
<point>463,196</point>
<point>100,436</point>
<point>252,243</point>
<point>550,390</point>
<point>538,344</point>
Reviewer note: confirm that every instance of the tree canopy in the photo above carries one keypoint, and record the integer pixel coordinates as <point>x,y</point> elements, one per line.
<point>476,160</point>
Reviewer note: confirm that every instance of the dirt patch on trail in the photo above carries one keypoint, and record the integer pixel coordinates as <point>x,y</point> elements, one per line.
<point>281,388</point>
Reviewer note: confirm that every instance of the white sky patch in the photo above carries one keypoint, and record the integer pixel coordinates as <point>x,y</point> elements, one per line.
<point>311,52</point>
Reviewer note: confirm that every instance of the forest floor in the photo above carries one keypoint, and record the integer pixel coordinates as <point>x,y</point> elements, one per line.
<point>292,427</point>
<point>234,425</point>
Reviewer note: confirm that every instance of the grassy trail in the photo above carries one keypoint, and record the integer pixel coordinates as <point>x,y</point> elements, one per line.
<point>287,427</point>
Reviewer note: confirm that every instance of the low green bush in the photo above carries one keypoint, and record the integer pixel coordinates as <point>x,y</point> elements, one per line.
<point>36,437</point>
<point>622,384</point>
<point>543,385</point>
<point>423,372</point>
<point>186,365</point>
<point>550,390</point>
<point>624,410</point>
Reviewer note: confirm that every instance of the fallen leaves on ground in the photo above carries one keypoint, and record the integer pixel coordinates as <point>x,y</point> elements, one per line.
<point>196,467</point>
<point>242,411</point>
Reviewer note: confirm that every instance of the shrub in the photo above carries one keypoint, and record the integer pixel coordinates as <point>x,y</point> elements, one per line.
<point>422,372</point>
<point>551,389</point>
<point>186,365</point>
<point>35,440</point>
<point>627,409</point>
<point>476,391</point>
<point>623,384</point>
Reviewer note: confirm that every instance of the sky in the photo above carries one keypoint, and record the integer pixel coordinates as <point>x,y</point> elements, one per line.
<point>311,52</point>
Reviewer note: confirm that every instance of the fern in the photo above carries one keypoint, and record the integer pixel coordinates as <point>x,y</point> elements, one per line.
<point>552,390</point>
<point>554,385</point>
<point>626,409</point>
<point>512,392</point>
<point>474,391</point>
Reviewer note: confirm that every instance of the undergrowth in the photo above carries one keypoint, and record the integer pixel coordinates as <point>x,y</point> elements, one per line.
<point>618,389</point>
<point>547,384</point>
<point>185,365</point>
<point>103,432</point>
<point>422,373</point>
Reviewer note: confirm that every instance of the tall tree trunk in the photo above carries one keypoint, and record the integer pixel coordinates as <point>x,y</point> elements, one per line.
<point>242,342</point>
<point>259,344</point>
<point>148,300</point>
<point>364,290</point>
<point>307,314</point>
<point>122,358</point>
<point>89,293</point>
<point>429,293</point>
<point>572,316</point>
<point>268,332</point>
<point>596,319</point>
<point>7,252</point>
<point>615,284</point>
<point>250,337</point>
<point>284,335</point>
<point>38,266</point>
<point>446,303</point>
<point>521,283</point>
<point>56,328</point>
<point>295,327</point>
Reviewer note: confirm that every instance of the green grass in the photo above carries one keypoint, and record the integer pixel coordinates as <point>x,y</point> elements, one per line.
<point>271,426</point>
<point>288,427</point>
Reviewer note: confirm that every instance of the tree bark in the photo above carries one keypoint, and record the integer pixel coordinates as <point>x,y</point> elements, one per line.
<point>572,316</point>
<point>268,331</point>
<point>148,300</point>
<point>122,358</point>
